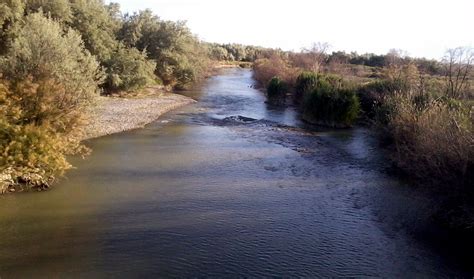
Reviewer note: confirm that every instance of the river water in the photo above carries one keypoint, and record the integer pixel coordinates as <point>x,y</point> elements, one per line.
<point>226,187</point>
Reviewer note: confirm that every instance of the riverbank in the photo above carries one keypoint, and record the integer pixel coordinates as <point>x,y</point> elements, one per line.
<point>118,114</point>
<point>115,114</point>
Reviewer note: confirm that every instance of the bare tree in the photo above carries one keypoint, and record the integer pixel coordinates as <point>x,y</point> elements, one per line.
<point>315,57</point>
<point>458,71</point>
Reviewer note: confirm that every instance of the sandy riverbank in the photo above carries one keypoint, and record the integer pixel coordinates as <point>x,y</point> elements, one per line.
<point>114,115</point>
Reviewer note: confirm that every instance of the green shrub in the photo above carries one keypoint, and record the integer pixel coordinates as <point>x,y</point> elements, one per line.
<point>42,50</point>
<point>59,10</point>
<point>129,69</point>
<point>97,27</point>
<point>276,89</point>
<point>305,83</point>
<point>180,57</point>
<point>331,103</point>
<point>371,96</point>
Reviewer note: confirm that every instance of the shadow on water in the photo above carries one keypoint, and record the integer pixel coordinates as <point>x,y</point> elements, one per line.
<point>225,187</point>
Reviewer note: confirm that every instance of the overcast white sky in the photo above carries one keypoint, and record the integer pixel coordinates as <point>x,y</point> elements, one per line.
<point>420,27</point>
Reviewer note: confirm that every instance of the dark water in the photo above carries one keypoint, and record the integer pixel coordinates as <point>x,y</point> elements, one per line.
<point>203,192</point>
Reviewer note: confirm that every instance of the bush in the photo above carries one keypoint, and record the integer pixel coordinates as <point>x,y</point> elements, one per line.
<point>276,89</point>
<point>371,96</point>
<point>180,57</point>
<point>331,103</point>
<point>267,68</point>
<point>305,83</point>
<point>432,140</point>
<point>52,79</point>
<point>129,69</point>
<point>42,50</point>
<point>35,137</point>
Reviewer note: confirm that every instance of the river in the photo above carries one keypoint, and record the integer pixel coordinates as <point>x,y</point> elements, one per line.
<point>226,187</point>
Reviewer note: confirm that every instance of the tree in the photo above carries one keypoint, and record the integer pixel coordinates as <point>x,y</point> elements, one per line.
<point>458,71</point>
<point>42,50</point>
<point>315,57</point>
<point>10,12</point>
<point>180,57</point>
<point>56,9</point>
<point>94,21</point>
<point>129,69</point>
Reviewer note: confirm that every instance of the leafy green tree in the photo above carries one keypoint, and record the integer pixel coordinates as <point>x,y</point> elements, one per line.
<point>129,69</point>
<point>57,9</point>
<point>180,57</point>
<point>10,12</point>
<point>42,49</point>
<point>94,22</point>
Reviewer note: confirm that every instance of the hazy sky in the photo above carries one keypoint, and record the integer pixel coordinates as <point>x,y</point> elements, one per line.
<point>422,28</point>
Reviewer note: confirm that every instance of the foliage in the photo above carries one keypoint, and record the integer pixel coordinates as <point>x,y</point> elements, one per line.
<point>371,96</point>
<point>129,69</point>
<point>277,65</point>
<point>10,12</point>
<point>433,138</point>
<point>41,50</point>
<point>35,132</point>
<point>95,23</point>
<point>56,9</point>
<point>331,103</point>
<point>305,83</point>
<point>180,57</point>
<point>276,89</point>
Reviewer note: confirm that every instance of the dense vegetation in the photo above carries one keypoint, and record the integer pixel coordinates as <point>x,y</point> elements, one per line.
<point>329,101</point>
<point>424,108</point>
<point>276,90</point>
<point>57,56</point>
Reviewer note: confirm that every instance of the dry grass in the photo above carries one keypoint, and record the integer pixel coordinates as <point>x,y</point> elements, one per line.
<point>275,66</point>
<point>435,141</point>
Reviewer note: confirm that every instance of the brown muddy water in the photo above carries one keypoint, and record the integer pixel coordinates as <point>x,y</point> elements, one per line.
<point>227,187</point>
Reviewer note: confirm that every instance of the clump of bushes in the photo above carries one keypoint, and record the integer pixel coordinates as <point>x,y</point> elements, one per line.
<point>432,138</point>
<point>305,83</point>
<point>42,50</point>
<point>129,70</point>
<point>36,133</point>
<point>51,80</point>
<point>276,90</point>
<point>371,95</point>
<point>331,103</point>
<point>275,66</point>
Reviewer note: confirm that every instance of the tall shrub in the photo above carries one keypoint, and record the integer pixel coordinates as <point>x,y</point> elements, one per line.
<point>331,103</point>
<point>276,90</point>
<point>42,50</point>
<point>305,83</point>
<point>51,79</point>
<point>129,69</point>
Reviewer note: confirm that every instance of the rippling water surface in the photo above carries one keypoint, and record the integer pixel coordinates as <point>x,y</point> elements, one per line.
<point>226,187</point>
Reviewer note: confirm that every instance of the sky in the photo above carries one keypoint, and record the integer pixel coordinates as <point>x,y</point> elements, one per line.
<point>421,28</point>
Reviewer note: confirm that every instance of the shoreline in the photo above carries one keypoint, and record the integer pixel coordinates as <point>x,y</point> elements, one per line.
<point>114,115</point>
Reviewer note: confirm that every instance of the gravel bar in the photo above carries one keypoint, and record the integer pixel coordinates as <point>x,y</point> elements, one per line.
<point>116,114</point>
